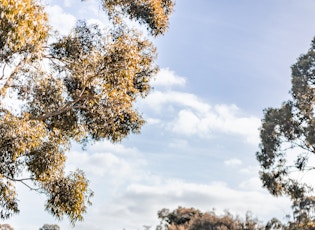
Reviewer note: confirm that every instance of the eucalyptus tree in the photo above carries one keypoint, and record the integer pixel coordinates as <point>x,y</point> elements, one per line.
<point>50,227</point>
<point>80,87</point>
<point>287,146</point>
<point>193,219</point>
<point>6,227</point>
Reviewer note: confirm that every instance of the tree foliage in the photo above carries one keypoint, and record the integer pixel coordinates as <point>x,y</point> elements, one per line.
<point>6,227</point>
<point>58,89</point>
<point>50,227</point>
<point>288,142</point>
<point>193,219</point>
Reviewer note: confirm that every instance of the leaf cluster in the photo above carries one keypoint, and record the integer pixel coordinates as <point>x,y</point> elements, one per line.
<point>23,28</point>
<point>152,13</point>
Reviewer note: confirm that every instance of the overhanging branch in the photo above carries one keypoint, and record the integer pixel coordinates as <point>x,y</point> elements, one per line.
<point>22,181</point>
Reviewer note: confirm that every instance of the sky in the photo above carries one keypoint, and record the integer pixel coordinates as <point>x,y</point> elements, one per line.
<point>221,64</point>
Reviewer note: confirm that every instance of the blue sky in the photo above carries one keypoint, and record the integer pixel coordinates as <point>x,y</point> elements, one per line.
<point>222,62</point>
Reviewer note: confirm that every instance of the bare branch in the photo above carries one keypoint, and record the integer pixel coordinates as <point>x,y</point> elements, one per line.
<point>3,69</point>
<point>22,181</point>
<point>13,74</point>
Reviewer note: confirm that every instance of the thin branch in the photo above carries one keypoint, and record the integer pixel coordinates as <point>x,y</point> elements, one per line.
<point>302,145</point>
<point>79,107</point>
<point>12,75</point>
<point>65,108</point>
<point>70,105</point>
<point>3,69</point>
<point>22,181</point>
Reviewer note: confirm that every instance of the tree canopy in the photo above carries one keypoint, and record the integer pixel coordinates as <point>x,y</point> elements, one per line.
<point>5,227</point>
<point>193,219</point>
<point>50,227</point>
<point>79,87</point>
<point>288,142</point>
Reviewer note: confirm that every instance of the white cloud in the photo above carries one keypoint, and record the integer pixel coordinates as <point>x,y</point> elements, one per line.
<point>117,148</point>
<point>153,121</point>
<point>220,119</point>
<point>158,99</point>
<point>59,19</point>
<point>187,114</point>
<point>128,196</point>
<point>249,170</point>
<point>253,183</point>
<point>178,144</point>
<point>68,3</point>
<point>168,78</point>
<point>98,164</point>
<point>141,202</point>
<point>141,194</point>
<point>107,160</point>
<point>187,123</point>
<point>233,162</point>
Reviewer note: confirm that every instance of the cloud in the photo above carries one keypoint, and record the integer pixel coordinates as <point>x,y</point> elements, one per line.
<point>187,123</point>
<point>253,183</point>
<point>141,202</point>
<point>158,99</point>
<point>141,194</point>
<point>233,162</point>
<point>116,148</point>
<point>59,19</point>
<point>68,3</point>
<point>108,160</point>
<point>188,115</point>
<point>99,164</point>
<point>219,119</point>
<point>250,169</point>
<point>128,195</point>
<point>168,78</point>
<point>191,116</point>
<point>153,121</point>
<point>178,144</point>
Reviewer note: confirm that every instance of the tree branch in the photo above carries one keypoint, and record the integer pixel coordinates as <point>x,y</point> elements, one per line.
<point>22,181</point>
<point>70,105</point>
<point>3,71</point>
<point>12,75</point>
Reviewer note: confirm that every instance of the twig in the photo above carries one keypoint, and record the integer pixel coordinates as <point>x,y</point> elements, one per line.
<point>22,180</point>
